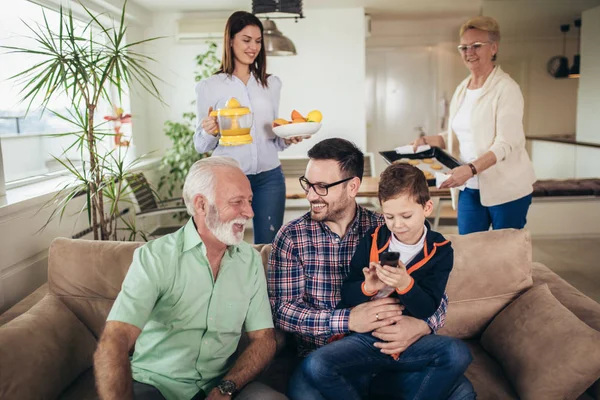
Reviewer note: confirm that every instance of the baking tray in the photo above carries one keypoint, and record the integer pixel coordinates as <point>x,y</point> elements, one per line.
<point>438,156</point>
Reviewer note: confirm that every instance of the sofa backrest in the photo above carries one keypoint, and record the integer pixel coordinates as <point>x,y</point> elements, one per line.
<point>490,270</point>
<point>87,276</point>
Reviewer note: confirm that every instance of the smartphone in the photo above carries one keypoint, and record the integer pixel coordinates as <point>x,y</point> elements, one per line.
<point>389,258</point>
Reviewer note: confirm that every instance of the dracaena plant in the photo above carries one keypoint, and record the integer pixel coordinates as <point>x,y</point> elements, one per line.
<point>87,62</point>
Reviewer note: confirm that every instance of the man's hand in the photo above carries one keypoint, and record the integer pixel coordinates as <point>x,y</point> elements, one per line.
<point>372,282</point>
<point>396,277</point>
<point>400,336</point>
<point>215,394</point>
<point>371,315</point>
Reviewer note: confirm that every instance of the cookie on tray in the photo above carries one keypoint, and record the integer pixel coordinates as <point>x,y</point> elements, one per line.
<point>428,160</point>
<point>401,161</point>
<point>436,167</point>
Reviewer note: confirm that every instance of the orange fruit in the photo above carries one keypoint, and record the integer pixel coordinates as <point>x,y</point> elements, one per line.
<point>280,121</point>
<point>298,121</point>
<point>296,115</point>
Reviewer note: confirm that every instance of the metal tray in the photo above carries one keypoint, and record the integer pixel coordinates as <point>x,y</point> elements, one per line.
<point>438,155</point>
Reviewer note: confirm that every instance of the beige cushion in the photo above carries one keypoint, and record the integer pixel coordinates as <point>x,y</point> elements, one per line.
<point>490,270</point>
<point>544,349</point>
<point>43,351</point>
<point>87,276</point>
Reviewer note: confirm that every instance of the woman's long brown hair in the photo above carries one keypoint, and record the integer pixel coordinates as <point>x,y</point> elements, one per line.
<point>236,22</point>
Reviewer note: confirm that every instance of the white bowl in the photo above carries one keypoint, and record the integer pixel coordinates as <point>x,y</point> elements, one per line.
<point>298,129</point>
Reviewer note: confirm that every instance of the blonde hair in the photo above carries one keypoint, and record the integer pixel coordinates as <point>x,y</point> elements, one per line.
<point>486,24</point>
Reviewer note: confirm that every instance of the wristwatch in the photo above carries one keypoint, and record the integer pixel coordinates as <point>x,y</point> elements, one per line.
<point>227,387</point>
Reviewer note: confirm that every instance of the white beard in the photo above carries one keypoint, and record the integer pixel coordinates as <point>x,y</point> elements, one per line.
<point>223,231</point>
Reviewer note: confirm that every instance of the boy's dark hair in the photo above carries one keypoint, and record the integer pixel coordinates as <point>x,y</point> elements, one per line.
<point>403,179</point>
<point>349,157</point>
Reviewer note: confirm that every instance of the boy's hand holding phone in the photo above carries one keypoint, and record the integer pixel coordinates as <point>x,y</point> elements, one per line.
<point>372,282</point>
<point>393,272</point>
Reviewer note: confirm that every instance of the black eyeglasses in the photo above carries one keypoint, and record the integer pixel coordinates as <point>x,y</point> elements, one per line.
<point>320,188</point>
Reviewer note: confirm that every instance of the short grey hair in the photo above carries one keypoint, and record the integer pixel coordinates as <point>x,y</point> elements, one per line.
<point>201,179</point>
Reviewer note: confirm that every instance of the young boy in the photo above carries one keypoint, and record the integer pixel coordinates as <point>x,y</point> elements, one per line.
<point>418,281</point>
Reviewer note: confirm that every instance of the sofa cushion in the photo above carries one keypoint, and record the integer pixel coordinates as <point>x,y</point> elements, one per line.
<point>87,276</point>
<point>487,376</point>
<point>545,350</point>
<point>490,270</point>
<point>579,304</point>
<point>43,351</point>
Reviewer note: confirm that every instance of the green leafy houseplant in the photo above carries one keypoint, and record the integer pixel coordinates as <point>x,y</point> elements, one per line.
<point>85,63</point>
<point>178,159</point>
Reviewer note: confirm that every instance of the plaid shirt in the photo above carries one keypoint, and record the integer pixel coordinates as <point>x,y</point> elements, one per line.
<point>307,267</point>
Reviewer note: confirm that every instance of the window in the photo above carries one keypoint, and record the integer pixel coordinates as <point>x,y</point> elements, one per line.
<point>29,142</point>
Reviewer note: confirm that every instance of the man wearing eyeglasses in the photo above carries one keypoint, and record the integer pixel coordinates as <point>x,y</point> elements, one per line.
<point>309,261</point>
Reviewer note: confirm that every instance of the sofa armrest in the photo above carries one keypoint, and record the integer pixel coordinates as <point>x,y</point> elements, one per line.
<point>24,305</point>
<point>579,304</point>
<point>43,351</point>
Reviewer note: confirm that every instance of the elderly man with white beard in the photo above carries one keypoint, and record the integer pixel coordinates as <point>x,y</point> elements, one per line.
<point>186,299</point>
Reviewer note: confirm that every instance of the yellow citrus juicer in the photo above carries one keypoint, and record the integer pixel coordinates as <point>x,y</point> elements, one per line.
<point>235,122</point>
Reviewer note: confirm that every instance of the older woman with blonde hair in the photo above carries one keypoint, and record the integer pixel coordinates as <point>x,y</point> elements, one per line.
<point>485,131</point>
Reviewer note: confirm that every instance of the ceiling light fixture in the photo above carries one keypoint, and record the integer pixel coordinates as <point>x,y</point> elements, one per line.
<point>574,72</point>
<point>275,42</point>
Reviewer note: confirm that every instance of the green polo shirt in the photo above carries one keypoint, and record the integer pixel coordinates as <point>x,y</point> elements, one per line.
<point>191,325</point>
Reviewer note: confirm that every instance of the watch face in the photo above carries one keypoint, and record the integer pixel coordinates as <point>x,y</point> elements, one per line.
<point>227,387</point>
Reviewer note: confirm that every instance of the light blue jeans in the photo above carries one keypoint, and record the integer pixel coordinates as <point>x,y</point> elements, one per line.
<point>268,204</point>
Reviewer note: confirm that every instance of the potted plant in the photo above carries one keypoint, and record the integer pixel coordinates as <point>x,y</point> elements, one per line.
<point>87,63</point>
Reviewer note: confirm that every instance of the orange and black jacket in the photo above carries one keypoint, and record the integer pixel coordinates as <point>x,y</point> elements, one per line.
<point>429,271</point>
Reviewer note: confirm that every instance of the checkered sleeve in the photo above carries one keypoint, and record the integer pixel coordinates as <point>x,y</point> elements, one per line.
<point>438,320</point>
<point>286,284</point>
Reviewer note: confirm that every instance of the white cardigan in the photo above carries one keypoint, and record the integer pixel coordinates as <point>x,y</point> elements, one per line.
<point>497,124</point>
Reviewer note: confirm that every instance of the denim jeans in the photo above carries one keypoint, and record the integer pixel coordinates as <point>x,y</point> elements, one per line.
<point>268,204</point>
<point>352,368</point>
<point>475,217</point>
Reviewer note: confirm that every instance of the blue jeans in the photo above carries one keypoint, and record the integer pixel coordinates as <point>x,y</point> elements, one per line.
<point>474,217</point>
<point>268,204</point>
<point>352,368</point>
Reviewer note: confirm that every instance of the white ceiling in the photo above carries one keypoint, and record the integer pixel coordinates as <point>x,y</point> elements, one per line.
<point>376,7</point>
<point>516,17</point>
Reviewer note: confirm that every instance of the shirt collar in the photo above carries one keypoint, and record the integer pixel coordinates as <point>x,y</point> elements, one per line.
<point>191,239</point>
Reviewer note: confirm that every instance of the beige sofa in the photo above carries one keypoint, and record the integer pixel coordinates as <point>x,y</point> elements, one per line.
<point>527,346</point>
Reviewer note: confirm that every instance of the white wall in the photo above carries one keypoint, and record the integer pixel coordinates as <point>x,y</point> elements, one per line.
<point>588,115</point>
<point>550,104</point>
<point>327,74</point>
